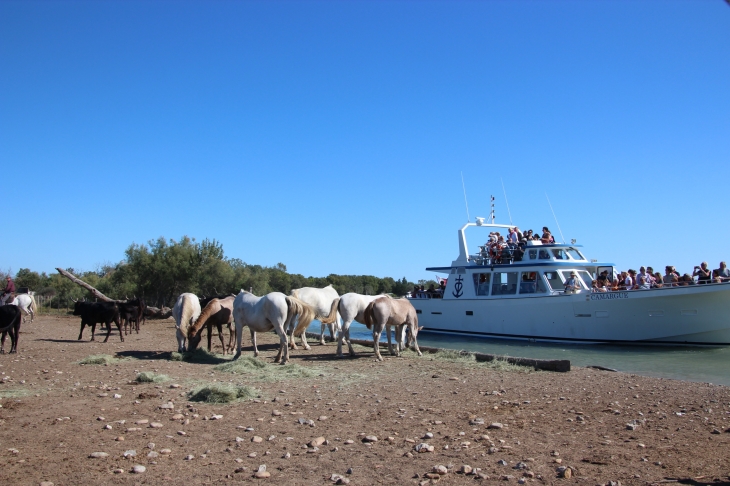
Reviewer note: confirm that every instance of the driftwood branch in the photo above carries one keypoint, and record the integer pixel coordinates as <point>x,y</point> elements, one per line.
<point>88,287</point>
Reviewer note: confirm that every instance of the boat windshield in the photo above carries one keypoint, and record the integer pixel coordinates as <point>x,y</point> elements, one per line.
<point>575,254</point>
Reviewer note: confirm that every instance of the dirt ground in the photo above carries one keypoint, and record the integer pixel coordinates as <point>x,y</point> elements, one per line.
<point>56,413</point>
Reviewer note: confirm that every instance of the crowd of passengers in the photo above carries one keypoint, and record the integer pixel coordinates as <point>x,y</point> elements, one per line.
<point>515,240</point>
<point>431,293</point>
<point>646,278</point>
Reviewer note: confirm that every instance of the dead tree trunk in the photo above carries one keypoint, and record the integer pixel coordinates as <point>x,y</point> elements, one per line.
<point>88,287</point>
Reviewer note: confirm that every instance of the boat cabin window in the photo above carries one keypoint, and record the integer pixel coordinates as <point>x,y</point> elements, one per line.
<point>581,273</point>
<point>504,283</point>
<point>587,278</point>
<point>575,254</point>
<point>543,255</point>
<point>481,283</point>
<point>531,283</point>
<point>554,280</point>
<point>560,254</point>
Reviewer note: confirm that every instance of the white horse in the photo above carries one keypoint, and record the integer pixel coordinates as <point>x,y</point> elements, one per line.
<point>272,311</point>
<point>27,305</point>
<point>186,311</point>
<point>352,308</point>
<point>324,301</point>
<point>384,312</point>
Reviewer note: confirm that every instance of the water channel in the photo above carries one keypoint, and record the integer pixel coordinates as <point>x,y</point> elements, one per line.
<point>681,363</point>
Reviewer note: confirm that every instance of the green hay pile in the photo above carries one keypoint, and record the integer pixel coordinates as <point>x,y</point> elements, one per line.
<point>200,355</point>
<point>220,393</point>
<point>147,377</point>
<point>99,359</point>
<point>453,356</point>
<point>261,371</point>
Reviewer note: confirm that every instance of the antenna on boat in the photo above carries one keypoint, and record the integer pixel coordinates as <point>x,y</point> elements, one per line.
<point>491,212</point>
<point>505,200</point>
<point>556,218</point>
<point>465,201</point>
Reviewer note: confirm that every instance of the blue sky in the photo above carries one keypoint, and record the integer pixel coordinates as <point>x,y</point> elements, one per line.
<point>331,136</point>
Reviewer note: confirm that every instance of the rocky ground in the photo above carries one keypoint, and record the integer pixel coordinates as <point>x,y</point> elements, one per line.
<point>323,420</point>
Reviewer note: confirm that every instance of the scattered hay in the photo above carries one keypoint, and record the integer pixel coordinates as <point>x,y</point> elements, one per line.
<point>200,355</point>
<point>499,363</point>
<point>263,371</point>
<point>219,393</point>
<point>453,356</point>
<point>14,393</point>
<point>99,359</point>
<point>147,377</point>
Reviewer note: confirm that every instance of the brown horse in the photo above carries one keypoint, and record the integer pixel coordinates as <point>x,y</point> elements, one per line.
<point>385,312</point>
<point>216,313</point>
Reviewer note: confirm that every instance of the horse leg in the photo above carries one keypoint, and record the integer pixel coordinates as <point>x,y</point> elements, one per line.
<point>253,341</point>
<point>220,336</point>
<point>415,342</point>
<point>283,346</point>
<point>341,337</point>
<point>210,332</point>
<point>231,337</point>
<point>180,341</point>
<point>377,330</point>
<point>321,335</point>
<point>290,333</point>
<point>390,345</point>
<point>304,341</point>
<point>239,337</point>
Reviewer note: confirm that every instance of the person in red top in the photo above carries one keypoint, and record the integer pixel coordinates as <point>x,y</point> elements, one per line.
<point>9,289</point>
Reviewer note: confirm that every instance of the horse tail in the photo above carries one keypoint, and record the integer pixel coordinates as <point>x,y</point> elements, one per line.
<point>332,316</point>
<point>33,307</point>
<point>303,311</point>
<point>203,317</point>
<point>368,314</point>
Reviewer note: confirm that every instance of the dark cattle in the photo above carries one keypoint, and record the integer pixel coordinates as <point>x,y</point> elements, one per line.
<point>94,312</point>
<point>10,319</point>
<point>129,313</point>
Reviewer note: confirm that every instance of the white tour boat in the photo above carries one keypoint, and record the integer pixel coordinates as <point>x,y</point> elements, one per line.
<point>523,296</point>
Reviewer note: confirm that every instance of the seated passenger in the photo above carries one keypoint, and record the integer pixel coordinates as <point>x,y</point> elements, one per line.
<point>722,273</point>
<point>686,279</point>
<point>703,274</point>
<point>658,280</point>
<point>603,280</point>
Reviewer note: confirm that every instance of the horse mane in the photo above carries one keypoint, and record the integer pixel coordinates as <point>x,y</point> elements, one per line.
<point>295,293</point>
<point>302,310</point>
<point>210,309</point>
<point>332,316</point>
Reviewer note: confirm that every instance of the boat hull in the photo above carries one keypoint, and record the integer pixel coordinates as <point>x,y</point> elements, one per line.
<point>692,315</point>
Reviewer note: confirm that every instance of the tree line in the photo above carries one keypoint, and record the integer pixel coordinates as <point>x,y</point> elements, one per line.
<point>162,269</point>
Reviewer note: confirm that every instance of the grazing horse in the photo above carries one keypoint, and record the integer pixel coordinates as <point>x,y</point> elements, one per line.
<point>352,308</point>
<point>324,301</point>
<point>272,311</point>
<point>26,303</point>
<point>10,320</point>
<point>384,312</point>
<point>185,312</point>
<point>216,313</point>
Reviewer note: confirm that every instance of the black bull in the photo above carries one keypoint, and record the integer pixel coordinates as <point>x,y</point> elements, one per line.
<point>10,319</point>
<point>98,312</point>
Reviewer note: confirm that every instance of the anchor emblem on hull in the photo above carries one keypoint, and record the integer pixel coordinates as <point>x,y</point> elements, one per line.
<point>458,287</point>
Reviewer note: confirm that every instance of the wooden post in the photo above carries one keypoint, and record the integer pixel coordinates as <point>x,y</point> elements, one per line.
<point>88,287</point>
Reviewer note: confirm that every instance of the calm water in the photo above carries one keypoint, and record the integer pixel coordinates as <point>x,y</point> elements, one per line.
<point>681,363</point>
